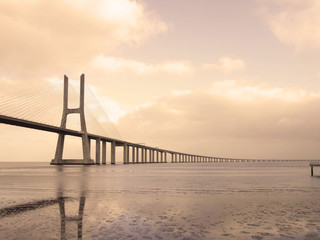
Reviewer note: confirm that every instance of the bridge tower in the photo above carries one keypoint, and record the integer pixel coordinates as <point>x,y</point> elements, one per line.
<point>84,134</point>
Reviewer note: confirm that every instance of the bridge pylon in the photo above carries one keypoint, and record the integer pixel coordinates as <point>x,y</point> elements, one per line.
<point>58,159</point>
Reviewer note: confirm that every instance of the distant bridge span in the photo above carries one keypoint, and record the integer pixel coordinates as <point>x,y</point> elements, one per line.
<point>139,153</point>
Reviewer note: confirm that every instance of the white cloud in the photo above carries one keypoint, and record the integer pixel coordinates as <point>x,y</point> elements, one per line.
<point>130,17</point>
<point>115,112</point>
<point>295,23</point>
<point>243,92</point>
<point>113,64</point>
<point>43,37</point>
<point>226,65</point>
<point>181,92</point>
<point>104,108</point>
<point>230,119</point>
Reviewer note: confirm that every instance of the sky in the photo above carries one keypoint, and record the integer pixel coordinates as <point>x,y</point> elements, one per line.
<point>221,78</point>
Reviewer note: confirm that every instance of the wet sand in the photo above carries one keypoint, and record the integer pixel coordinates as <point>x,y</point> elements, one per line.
<point>160,201</point>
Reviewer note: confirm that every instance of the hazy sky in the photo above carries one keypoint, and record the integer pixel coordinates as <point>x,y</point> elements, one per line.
<point>224,78</point>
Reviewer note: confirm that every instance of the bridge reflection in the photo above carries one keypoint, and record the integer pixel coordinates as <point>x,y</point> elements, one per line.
<point>78,218</point>
<point>62,198</point>
<point>65,200</point>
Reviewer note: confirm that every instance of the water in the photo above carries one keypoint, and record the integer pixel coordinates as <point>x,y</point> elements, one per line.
<point>160,201</point>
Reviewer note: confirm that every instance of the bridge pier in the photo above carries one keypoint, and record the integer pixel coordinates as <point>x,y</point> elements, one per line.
<point>58,159</point>
<point>128,154</point>
<point>137,153</point>
<point>146,160</point>
<point>133,154</point>
<point>125,146</point>
<point>145,155</point>
<point>104,152</point>
<point>98,151</point>
<point>142,155</point>
<point>113,152</point>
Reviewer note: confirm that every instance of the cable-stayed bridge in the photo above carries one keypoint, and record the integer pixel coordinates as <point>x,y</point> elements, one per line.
<point>17,108</point>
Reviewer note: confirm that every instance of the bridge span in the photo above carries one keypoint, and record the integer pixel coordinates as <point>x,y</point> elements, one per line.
<point>139,153</point>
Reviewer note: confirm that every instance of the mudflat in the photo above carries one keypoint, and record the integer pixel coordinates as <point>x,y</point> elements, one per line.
<point>160,201</point>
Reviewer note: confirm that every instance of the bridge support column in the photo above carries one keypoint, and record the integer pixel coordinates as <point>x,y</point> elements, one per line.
<point>133,155</point>
<point>104,152</point>
<point>113,152</point>
<point>142,155</point>
<point>89,142</point>
<point>128,154</point>
<point>161,154</point>
<point>137,152</point>
<point>125,154</point>
<point>58,159</point>
<point>146,154</point>
<point>165,157</point>
<point>98,153</point>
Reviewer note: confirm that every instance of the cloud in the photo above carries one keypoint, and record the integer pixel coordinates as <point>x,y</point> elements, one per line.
<point>233,90</point>
<point>45,37</point>
<point>233,119</point>
<point>295,23</point>
<point>121,65</point>
<point>226,65</point>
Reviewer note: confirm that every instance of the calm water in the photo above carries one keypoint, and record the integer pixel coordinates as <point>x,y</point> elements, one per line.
<point>160,201</point>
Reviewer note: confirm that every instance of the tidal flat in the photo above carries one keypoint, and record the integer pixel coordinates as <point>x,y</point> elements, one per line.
<point>262,200</point>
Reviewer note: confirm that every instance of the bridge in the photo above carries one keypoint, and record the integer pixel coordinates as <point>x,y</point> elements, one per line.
<point>132,152</point>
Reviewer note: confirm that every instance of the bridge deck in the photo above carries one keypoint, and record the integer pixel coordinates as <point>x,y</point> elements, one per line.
<point>49,128</point>
<point>186,157</point>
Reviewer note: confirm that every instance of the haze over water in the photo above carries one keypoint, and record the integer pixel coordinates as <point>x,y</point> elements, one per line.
<point>160,201</point>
